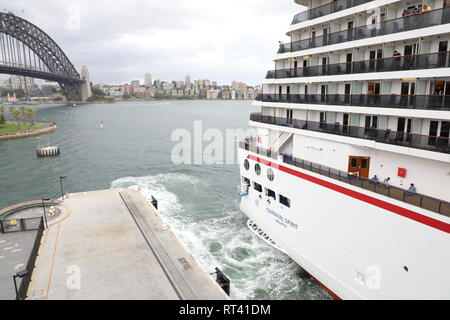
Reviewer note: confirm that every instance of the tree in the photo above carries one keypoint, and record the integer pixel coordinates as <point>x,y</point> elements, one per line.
<point>20,93</point>
<point>2,116</point>
<point>11,112</point>
<point>98,92</point>
<point>17,115</point>
<point>23,112</point>
<point>30,112</point>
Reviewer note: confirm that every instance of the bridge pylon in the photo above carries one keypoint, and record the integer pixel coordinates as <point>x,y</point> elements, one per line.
<point>26,50</point>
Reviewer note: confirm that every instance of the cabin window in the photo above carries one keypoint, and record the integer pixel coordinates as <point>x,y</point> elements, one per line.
<point>246,164</point>
<point>258,169</point>
<point>364,163</point>
<point>257,187</point>
<point>270,174</point>
<point>270,193</point>
<point>285,201</point>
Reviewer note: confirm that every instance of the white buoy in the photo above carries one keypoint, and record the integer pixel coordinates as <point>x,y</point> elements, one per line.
<point>47,151</point>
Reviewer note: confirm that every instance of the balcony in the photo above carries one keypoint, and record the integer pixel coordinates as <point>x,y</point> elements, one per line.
<point>410,140</point>
<point>413,198</point>
<point>397,63</point>
<point>325,9</point>
<point>420,102</point>
<point>412,22</point>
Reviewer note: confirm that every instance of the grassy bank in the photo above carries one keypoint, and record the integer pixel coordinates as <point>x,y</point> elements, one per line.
<point>10,127</point>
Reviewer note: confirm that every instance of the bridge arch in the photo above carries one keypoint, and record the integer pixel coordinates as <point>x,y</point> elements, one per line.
<point>28,51</point>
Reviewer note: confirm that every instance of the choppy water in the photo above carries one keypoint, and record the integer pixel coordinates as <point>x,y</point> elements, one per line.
<point>199,202</point>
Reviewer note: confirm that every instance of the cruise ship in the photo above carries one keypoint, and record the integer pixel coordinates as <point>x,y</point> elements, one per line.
<point>349,170</point>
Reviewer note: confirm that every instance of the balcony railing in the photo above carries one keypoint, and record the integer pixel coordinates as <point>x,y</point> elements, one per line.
<point>396,63</point>
<point>411,22</point>
<point>249,144</point>
<point>404,139</point>
<point>413,198</point>
<point>327,8</point>
<point>420,102</point>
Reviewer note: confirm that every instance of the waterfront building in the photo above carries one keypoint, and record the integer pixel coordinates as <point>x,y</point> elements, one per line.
<point>239,85</point>
<point>212,94</point>
<point>135,84</point>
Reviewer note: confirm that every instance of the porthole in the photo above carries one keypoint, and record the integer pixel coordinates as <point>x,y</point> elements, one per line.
<point>270,174</point>
<point>246,164</point>
<point>405,268</point>
<point>258,169</point>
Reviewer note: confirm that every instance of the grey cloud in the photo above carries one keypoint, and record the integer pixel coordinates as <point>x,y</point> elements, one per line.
<point>121,40</point>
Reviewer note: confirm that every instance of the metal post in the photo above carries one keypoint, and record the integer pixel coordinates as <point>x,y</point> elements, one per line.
<point>45,216</point>
<point>62,190</point>
<point>20,274</point>
<point>15,286</point>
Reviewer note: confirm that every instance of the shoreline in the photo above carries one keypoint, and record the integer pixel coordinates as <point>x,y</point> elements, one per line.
<point>123,100</point>
<point>49,127</point>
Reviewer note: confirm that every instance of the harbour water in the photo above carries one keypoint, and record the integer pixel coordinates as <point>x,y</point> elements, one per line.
<point>199,202</point>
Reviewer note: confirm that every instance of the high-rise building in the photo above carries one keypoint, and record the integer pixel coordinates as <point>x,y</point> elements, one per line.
<point>148,80</point>
<point>187,81</point>
<point>15,82</point>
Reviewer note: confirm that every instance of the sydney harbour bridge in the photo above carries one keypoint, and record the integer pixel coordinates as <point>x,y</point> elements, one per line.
<point>26,50</point>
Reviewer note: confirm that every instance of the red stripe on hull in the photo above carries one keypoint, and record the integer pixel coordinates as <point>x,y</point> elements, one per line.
<point>440,225</point>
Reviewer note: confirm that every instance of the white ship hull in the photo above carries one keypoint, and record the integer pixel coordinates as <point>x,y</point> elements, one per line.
<point>356,243</point>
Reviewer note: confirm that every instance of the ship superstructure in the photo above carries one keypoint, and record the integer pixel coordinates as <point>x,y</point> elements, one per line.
<point>349,173</point>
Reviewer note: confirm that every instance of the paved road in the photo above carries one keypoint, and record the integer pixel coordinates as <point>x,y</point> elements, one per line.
<point>15,248</point>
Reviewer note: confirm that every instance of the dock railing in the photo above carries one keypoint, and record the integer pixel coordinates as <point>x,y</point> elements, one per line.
<point>23,225</point>
<point>23,288</point>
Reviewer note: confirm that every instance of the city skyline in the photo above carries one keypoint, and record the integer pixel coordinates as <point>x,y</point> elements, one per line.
<point>171,39</point>
<point>20,88</point>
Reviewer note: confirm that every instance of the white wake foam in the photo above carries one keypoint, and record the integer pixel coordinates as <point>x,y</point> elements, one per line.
<point>256,270</point>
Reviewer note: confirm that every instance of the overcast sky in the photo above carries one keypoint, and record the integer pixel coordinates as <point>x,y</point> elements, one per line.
<point>121,40</point>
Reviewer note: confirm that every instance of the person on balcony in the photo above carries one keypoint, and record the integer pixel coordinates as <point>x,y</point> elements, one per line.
<point>397,59</point>
<point>387,182</point>
<point>374,180</point>
<point>426,8</point>
<point>412,190</point>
